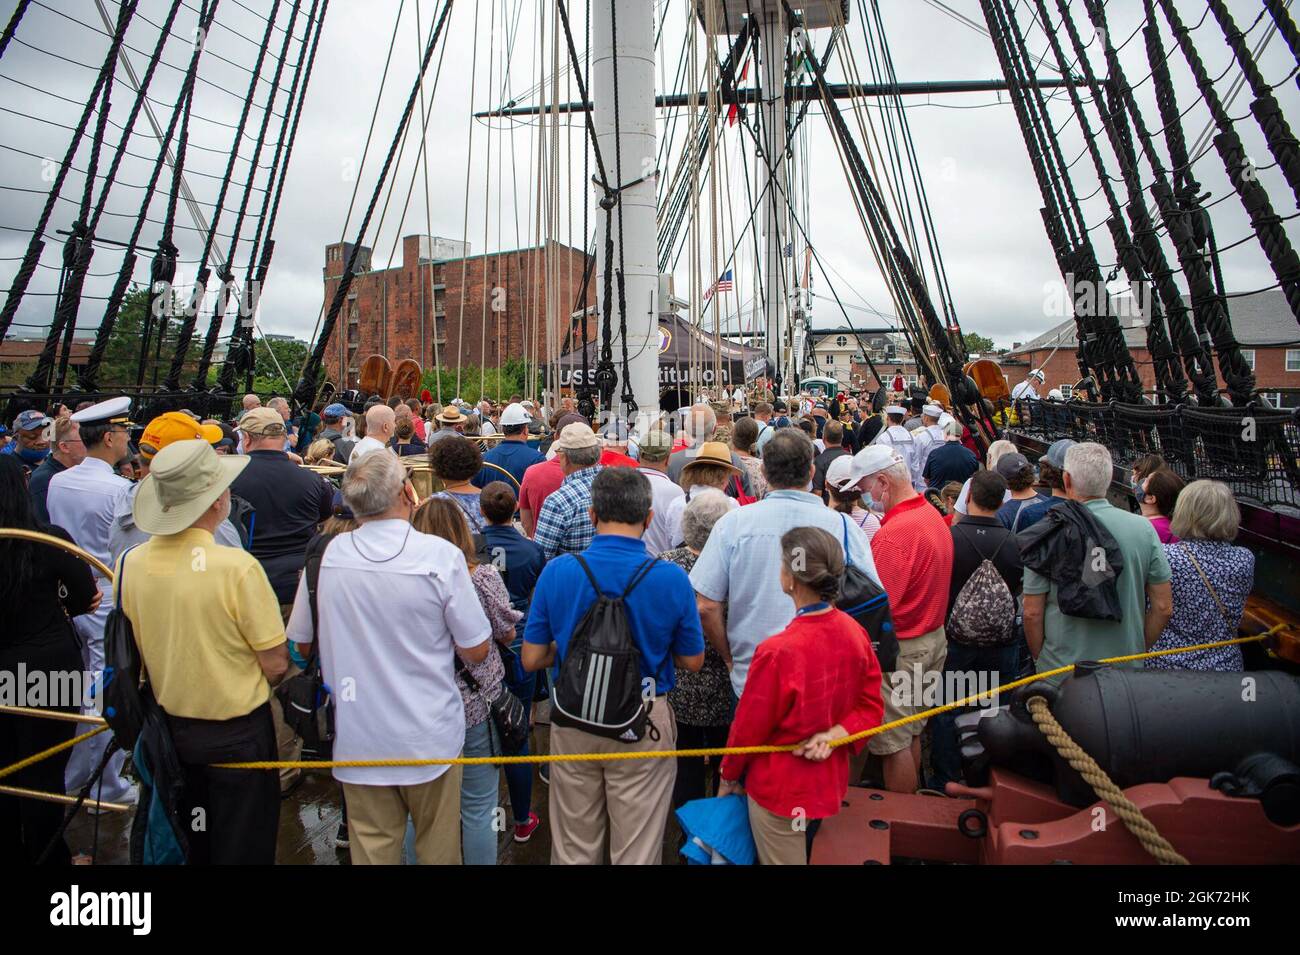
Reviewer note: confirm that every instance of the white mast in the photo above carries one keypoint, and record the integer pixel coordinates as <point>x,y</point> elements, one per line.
<point>626,140</point>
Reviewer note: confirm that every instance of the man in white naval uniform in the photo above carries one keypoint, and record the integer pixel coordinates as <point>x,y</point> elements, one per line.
<point>926,438</point>
<point>895,436</point>
<point>1026,388</point>
<point>82,500</point>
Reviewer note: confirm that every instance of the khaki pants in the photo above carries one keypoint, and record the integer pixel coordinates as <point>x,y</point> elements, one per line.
<point>917,657</point>
<point>377,821</point>
<point>775,838</point>
<point>288,744</point>
<point>626,801</point>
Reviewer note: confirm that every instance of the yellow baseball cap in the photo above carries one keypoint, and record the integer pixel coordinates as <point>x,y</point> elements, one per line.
<point>175,426</point>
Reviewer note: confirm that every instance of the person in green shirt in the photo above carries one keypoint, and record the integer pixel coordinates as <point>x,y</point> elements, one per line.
<point>1057,639</point>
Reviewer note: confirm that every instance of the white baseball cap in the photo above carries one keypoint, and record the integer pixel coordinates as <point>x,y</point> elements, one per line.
<point>868,461</point>
<point>839,472</point>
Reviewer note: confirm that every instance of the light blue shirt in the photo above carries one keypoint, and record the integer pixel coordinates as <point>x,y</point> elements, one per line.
<point>741,566</point>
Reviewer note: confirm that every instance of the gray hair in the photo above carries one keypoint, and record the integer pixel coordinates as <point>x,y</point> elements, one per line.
<point>896,473</point>
<point>996,450</point>
<point>1090,468</point>
<point>278,404</point>
<point>582,457</point>
<point>952,429</point>
<point>701,422</point>
<point>699,516</point>
<point>1206,510</point>
<point>372,483</point>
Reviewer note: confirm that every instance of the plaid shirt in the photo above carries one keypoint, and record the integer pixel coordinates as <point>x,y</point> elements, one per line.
<point>564,526</point>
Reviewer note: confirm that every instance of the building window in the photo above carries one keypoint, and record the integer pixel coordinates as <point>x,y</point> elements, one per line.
<point>1249,355</point>
<point>1293,359</point>
<point>1067,391</point>
<point>841,342</point>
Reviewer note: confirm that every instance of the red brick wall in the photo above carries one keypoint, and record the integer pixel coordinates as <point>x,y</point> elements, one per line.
<point>394,321</point>
<point>1062,368</point>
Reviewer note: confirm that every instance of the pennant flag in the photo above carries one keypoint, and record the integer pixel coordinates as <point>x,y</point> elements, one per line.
<point>723,284</point>
<point>789,250</point>
<point>733,111</point>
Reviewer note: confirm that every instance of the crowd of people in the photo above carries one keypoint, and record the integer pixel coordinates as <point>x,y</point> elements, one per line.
<point>716,539</point>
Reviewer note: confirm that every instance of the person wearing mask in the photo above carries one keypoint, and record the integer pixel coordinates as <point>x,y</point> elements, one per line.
<point>814,683</point>
<point>845,497</point>
<point>979,536</point>
<point>394,606</point>
<point>82,501</point>
<point>1211,577</point>
<point>1027,506</point>
<point>1143,467</point>
<point>211,639</point>
<point>1157,498</point>
<point>31,444</point>
<point>656,446</point>
<point>702,702</point>
<point>66,451</point>
<point>43,590</point>
<point>624,803</point>
<point>478,784</point>
<point>512,452</point>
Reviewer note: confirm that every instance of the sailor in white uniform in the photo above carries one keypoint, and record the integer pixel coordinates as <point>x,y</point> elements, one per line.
<point>926,438</point>
<point>897,437</point>
<point>1026,388</point>
<point>82,500</point>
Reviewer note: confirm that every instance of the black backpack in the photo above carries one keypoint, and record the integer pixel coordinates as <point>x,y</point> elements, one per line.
<point>303,696</point>
<point>866,602</point>
<point>123,697</point>
<point>598,688</point>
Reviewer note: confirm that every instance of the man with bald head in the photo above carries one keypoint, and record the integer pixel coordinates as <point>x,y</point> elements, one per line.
<point>250,402</point>
<point>381,422</point>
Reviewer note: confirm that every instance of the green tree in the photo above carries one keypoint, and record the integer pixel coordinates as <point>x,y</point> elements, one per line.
<point>122,356</point>
<point>977,343</point>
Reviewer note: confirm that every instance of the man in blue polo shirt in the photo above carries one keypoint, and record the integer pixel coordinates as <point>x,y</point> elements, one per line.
<point>512,452</point>
<point>624,801</point>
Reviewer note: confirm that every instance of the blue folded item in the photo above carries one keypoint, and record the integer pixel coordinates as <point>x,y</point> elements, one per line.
<point>717,831</point>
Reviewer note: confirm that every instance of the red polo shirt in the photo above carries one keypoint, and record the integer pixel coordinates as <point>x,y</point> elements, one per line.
<point>913,552</point>
<point>540,481</point>
<point>819,671</point>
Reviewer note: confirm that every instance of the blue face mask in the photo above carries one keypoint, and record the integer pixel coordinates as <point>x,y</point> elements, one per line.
<point>33,455</point>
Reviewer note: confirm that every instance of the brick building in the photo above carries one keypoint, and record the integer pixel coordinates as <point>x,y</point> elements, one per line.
<point>440,306</point>
<point>1263,324</point>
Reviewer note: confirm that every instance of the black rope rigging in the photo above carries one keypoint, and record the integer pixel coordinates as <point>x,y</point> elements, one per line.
<point>1277,133</point>
<point>1267,224</point>
<point>1277,9</point>
<point>12,26</point>
<point>239,358</point>
<point>304,395</point>
<point>181,349</point>
<point>37,245</point>
<point>1206,301</point>
<point>90,371</point>
<point>226,272</point>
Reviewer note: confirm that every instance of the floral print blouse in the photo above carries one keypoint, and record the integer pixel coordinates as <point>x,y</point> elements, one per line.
<point>1197,617</point>
<point>704,698</point>
<point>495,600</point>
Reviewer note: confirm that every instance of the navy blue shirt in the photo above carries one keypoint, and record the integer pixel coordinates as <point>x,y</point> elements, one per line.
<point>661,610</point>
<point>38,486</point>
<point>519,560</point>
<point>950,461</point>
<point>1021,514</point>
<point>515,456</point>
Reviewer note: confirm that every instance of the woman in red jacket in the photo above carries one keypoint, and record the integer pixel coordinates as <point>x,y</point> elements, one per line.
<point>815,682</point>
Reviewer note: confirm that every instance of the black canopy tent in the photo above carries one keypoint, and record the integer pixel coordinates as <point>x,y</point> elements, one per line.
<point>678,374</point>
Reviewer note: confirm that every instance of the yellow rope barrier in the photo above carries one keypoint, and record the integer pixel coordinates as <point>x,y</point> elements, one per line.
<point>717,750</point>
<point>45,754</point>
<point>61,798</point>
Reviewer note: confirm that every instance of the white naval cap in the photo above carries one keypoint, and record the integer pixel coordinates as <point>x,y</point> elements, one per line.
<point>896,409</point>
<point>932,411</point>
<point>112,410</point>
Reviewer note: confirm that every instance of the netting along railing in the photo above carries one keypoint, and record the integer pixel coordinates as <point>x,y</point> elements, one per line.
<point>1256,451</point>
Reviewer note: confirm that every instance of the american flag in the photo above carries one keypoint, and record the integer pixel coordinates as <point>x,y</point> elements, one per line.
<point>723,284</point>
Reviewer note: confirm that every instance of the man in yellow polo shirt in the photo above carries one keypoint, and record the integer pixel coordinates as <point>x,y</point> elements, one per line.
<point>210,633</point>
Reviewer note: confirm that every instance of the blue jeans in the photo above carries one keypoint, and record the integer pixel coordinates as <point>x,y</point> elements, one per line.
<point>519,776</point>
<point>478,799</point>
<point>1002,664</point>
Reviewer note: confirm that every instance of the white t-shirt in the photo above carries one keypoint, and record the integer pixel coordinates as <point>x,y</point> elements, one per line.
<point>664,491</point>
<point>1024,390</point>
<point>678,506</point>
<point>392,601</point>
<point>364,447</point>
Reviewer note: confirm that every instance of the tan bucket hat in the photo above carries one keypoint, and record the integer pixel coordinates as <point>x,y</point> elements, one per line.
<point>712,452</point>
<point>183,481</point>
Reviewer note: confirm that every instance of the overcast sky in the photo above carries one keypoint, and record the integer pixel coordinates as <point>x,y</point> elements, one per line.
<point>982,193</point>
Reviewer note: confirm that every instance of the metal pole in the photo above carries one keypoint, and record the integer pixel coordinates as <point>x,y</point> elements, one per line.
<point>772,34</point>
<point>622,39</point>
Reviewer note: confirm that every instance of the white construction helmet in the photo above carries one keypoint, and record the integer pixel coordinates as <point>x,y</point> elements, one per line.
<point>1038,373</point>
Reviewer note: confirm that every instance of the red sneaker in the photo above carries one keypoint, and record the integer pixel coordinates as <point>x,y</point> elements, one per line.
<point>524,830</point>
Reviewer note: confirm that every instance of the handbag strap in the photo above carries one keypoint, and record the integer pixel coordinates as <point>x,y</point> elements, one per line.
<point>1208,586</point>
